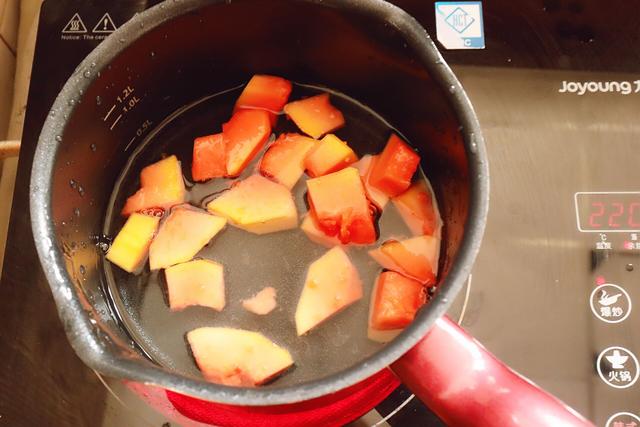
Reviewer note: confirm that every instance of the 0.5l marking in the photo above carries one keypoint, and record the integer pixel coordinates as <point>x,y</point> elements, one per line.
<point>144,127</point>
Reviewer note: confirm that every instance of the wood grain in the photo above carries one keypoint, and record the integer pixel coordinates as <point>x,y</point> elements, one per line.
<point>9,149</point>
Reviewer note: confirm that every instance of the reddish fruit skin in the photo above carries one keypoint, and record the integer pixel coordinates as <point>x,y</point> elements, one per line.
<point>265,92</point>
<point>209,158</point>
<point>394,168</point>
<point>396,302</point>
<point>244,136</point>
<point>340,208</point>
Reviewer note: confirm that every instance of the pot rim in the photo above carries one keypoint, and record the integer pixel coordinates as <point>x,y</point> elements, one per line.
<point>84,337</point>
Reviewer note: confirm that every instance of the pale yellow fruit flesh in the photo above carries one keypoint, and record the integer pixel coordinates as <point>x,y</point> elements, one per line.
<point>237,357</point>
<point>261,303</point>
<point>182,235</point>
<point>130,248</point>
<point>199,282</point>
<point>332,284</point>
<point>257,205</point>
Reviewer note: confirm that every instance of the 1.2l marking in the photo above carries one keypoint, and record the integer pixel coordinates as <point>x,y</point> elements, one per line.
<point>126,101</point>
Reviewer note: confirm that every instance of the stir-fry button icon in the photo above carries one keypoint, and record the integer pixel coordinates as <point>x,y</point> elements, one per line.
<point>607,300</point>
<point>618,367</point>
<point>610,303</point>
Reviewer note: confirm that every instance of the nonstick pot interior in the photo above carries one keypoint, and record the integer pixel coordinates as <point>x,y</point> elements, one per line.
<point>179,52</point>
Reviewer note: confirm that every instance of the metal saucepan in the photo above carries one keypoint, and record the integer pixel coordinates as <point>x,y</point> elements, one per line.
<point>177,53</point>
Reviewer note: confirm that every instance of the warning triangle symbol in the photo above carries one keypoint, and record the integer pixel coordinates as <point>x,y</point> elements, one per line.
<point>74,26</point>
<point>105,25</point>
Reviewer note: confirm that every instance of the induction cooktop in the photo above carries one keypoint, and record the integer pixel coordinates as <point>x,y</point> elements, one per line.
<point>555,290</point>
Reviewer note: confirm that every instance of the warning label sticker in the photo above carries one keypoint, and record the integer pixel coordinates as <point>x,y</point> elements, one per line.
<point>75,29</point>
<point>105,25</point>
<point>75,26</point>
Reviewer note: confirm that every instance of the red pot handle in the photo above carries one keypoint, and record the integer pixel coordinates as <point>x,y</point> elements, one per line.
<point>465,385</point>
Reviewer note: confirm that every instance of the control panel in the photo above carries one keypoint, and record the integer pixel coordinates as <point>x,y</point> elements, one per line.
<point>610,225</point>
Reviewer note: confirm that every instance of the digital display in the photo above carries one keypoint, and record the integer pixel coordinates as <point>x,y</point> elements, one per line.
<point>608,211</point>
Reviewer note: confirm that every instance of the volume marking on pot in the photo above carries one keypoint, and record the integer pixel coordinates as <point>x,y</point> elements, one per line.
<point>109,113</point>
<point>124,103</point>
<point>115,122</point>
<point>144,127</point>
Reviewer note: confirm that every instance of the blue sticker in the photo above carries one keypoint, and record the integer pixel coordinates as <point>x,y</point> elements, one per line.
<point>459,24</point>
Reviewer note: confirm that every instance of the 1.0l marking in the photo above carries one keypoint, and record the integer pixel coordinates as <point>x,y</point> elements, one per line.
<point>127,101</point>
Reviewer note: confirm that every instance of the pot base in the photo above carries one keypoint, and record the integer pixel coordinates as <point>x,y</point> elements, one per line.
<point>336,409</point>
